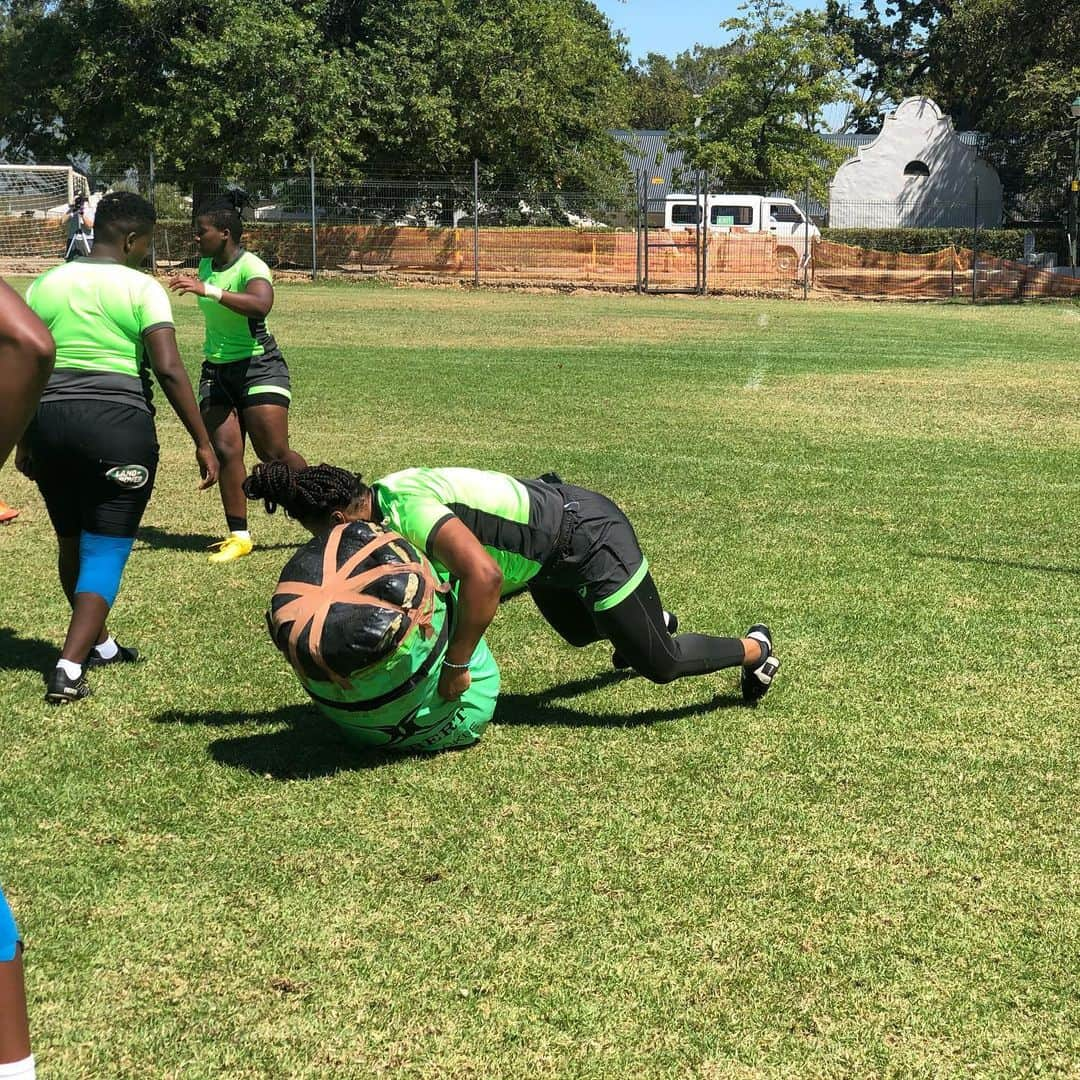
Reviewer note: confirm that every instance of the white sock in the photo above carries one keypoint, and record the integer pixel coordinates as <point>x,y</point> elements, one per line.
<point>108,648</point>
<point>72,671</point>
<point>243,534</point>
<point>18,1070</point>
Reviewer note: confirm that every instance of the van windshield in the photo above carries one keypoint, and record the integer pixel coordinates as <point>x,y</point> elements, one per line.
<point>731,215</point>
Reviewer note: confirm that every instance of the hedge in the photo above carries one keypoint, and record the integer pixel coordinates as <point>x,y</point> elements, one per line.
<point>1000,243</point>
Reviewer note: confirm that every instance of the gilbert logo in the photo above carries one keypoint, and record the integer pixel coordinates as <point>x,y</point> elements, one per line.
<point>129,476</point>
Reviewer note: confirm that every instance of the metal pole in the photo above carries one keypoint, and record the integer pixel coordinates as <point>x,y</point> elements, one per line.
<point>476,222</point>
<point>637,230</point>
<point>314,239</point>
<point>705,242</point>
<point>153,238</point>
<point>1074,187</point>
<point>975,249</point>
<point>806,242</point>
<point>645,250</point>
<point>697,231</point>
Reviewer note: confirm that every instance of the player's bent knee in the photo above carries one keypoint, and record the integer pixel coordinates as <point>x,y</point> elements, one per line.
<point>659,673</point>
<point>101,564</point>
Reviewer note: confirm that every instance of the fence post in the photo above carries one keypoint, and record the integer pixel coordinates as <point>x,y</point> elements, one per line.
<point>476,222</point>
<point>314,239</point>
<point>637,232</point>
<point>645,246</point>
<point>705,238</point>
<point>975,249</point>
<point>697,231</point>
<point>806,241</point>
<point>153,237</point>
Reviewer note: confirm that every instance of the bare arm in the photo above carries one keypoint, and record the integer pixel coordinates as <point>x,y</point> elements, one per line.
<point>254,302</point>
<point>478,599</point>
<point>174,382</point>
<point>27,354</point>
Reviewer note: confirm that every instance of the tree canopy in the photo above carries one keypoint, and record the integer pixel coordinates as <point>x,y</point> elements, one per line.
<point>663,92</point>
<point>1007,68</point>
<point>758,125</point>
<point>531,87</point>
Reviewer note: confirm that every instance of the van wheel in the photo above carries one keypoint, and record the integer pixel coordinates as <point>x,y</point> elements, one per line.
<point>787,259</point>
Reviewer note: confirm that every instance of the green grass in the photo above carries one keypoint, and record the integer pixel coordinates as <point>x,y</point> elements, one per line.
<point>872,874</point>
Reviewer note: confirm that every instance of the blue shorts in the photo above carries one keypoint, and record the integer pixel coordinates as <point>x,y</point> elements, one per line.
<point>9,935</point>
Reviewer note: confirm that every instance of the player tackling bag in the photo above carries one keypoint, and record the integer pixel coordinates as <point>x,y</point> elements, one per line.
<point>364,622</point>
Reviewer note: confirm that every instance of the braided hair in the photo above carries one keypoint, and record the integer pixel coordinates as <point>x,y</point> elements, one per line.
<point>304,494</point>
<point>224,212</point>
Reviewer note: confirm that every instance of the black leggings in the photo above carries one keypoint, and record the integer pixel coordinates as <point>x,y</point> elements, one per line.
<point>636,628</point>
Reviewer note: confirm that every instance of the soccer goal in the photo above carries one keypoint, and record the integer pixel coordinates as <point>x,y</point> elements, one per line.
<point>34,201</point>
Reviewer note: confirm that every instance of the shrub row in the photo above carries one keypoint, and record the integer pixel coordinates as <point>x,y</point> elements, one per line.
<point>1001,243</point>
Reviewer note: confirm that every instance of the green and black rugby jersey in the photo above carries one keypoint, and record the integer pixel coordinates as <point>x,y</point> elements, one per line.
<point>517,521</point>
<point>230,336</point>
<point>98,313</point>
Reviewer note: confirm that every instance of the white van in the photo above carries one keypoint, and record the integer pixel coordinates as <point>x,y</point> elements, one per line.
<point>745,213</point>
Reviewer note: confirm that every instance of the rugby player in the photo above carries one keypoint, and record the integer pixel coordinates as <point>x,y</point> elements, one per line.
<point>26,360</point>
<point>245,388</point>
<point>92,446</point>
<point>574,550</point>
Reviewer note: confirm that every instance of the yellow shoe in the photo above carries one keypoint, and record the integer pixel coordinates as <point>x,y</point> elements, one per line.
<point>231,548</point>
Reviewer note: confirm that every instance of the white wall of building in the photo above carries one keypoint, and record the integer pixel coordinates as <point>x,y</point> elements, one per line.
<point>873,190</point>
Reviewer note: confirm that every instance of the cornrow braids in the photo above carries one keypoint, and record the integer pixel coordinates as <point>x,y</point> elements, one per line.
<point>303,494</point>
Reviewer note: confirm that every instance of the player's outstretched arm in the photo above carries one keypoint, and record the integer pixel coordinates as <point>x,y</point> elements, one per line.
<point>478,599</point>
<point>174,382</point>
<point>254,302</point>
<point>26,362</point>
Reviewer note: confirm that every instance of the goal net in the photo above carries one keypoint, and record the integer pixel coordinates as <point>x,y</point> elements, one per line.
<point>34,202</point>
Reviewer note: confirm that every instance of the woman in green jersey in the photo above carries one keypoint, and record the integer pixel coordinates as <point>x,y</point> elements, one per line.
<point>244,389</point>
<point>365,623</point>
<point>573,549</point>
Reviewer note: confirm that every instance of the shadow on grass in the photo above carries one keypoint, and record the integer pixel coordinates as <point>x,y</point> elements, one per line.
<point>1007,564</point>
<point>309,746</point>
<point>154,539</point>
<point>25,654</point>
<point>541,709</point>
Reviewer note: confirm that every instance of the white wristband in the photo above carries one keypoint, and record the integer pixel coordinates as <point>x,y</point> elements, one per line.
<point>212,292</point>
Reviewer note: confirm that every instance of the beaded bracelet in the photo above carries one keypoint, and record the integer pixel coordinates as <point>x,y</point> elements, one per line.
<point>456,667</point>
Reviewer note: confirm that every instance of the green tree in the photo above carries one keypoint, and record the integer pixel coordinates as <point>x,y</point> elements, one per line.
<point>663,92</point>
<point>758,125</point>
<point>1006,68</point>
<point>659,96</point>
<point>890,57</point>
<point>703,66</point>
<point>1010,70</point>
<point>531,87</point>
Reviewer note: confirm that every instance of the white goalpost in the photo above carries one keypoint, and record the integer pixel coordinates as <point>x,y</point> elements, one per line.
<point>34,202</point>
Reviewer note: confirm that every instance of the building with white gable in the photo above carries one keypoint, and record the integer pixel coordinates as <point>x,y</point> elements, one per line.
<point>916,173</point>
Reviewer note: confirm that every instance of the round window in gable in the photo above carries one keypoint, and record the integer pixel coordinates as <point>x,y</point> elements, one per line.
<point>916,168</point>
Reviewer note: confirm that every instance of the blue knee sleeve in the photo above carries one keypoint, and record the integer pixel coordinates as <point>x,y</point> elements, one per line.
<point>101,564</point>
<point>9,936</point>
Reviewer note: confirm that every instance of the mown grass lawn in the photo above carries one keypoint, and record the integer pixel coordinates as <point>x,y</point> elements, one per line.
<point>874,873</point>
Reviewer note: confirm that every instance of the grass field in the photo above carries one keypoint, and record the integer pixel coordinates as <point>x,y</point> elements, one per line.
<point>873,874</point>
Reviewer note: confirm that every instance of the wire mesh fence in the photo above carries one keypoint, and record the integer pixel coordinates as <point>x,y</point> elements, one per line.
<point>702,239</point>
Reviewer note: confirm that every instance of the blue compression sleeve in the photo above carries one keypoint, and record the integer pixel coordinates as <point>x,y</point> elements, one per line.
<point>9,936</point>
<point>101,564</point>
